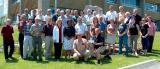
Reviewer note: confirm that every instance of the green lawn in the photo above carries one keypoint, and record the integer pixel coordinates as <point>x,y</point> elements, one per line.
<point>116,62</point>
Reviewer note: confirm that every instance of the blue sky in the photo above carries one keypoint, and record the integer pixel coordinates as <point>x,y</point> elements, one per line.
<point>1,2</point>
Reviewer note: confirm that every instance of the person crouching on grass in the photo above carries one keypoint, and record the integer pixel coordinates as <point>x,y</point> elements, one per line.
<point>80,46</point>
<point>7,31</point>
<point>69,34</point>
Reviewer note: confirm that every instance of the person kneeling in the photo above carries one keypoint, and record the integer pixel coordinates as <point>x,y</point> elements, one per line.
<point>80,48</point>
<point>98,45</point>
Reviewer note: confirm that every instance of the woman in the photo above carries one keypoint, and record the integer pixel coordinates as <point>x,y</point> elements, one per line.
<point>94,24</point>
<point>58,38</point>
<point>21,33</point>
<point>121,14</point>
<point>133,33</point>
<point>144,37</point>
<point>69,34</point>
<point>111,38</point>
<point>27,46</point>
<point>151,34</point>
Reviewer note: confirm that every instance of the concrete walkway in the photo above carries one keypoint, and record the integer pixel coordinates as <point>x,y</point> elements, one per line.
<point>151,64</point>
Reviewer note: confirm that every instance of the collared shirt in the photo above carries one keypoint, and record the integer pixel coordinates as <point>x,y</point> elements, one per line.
<point>88,19</point>
<point>26,29</point>
<point>36,30</point>
<point>102,26</point>
<point>98,39</point>
<point>111,15</point>
<point>7,32</point>
<point>48,30</point>
<point>81,28</point>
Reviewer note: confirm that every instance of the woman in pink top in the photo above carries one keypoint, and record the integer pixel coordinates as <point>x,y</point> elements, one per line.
<point>151,33</point>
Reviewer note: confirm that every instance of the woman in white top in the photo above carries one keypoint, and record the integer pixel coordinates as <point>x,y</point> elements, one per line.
<point>58,38</point>
<point>111,37</point>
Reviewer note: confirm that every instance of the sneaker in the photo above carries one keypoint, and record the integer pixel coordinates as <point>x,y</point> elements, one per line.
<point>98,62</point>
<point>136,54</point>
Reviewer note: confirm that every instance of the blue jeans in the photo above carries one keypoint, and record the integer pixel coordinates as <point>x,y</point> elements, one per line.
<point>123,40</point>
<point>145,43</point>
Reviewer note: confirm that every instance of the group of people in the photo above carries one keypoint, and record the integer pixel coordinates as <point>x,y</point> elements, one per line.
<point>81,35</point>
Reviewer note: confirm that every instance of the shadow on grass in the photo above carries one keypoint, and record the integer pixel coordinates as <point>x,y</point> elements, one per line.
<point>13,60</point>
<point>43,62</point>
<point>155,53</point>
<point>132,56</point>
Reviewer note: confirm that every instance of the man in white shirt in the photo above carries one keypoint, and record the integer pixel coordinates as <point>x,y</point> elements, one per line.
<point>81,27</point>
<point>88,17</point>
<point>111,14</point>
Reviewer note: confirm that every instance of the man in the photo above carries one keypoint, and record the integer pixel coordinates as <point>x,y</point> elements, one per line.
<point>48,31</point>
<point>56,15</point>
<point>63,17</point>
<point>88,18</point>
<point>81,27</point>
<point>6,32</point>
<point>36,32</point>
<point>80,48</point>
<point>98,45</point>
<point>111,14</point>
<point>137,16</point>
<point>27,46</point>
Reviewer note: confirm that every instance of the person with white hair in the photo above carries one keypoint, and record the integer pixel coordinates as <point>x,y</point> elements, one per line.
<point>36,32</point>
<point>63,17</point>
<point>6,32</point>
<point>137,16</point>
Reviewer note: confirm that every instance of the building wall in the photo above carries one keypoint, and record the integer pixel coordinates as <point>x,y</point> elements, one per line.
<point>80,4</point>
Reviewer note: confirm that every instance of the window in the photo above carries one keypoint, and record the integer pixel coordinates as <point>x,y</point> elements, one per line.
<point>110,1</point>
<point>150,7</point>
<point>130,3</point>
<point>15,1</point>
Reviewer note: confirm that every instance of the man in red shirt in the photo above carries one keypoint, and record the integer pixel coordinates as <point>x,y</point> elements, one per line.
<point>7,31</point>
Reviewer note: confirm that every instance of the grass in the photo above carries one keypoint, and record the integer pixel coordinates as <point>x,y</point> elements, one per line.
<point>116,62</point>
